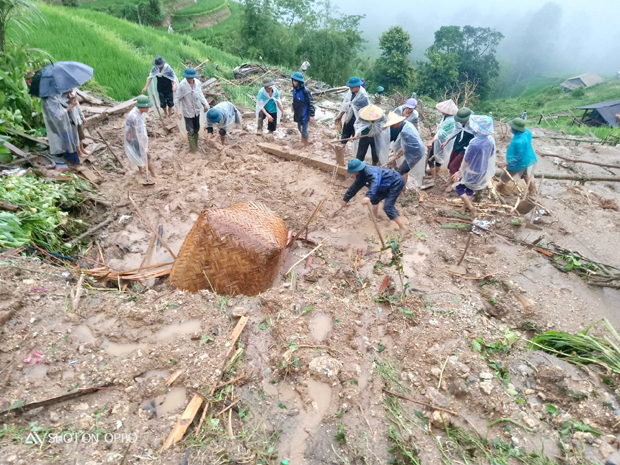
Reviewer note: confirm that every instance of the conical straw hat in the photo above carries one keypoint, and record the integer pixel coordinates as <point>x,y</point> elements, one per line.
<point>447,107</point>
<point>371,113</point>
<point>393,118</point>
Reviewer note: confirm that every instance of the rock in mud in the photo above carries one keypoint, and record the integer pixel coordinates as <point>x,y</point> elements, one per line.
<point>486,387</point>
<point>325,367</point>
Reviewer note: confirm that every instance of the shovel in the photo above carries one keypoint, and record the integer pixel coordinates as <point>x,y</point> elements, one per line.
<point>459,269</point>
<point>148,181</point>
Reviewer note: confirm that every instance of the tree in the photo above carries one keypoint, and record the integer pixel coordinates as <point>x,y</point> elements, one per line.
<point>471,49</point>
<point>393,69</point>
<point>21,14</point>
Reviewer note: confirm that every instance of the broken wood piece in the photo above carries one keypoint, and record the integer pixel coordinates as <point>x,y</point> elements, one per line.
<point>15,150</point>
<point>122,107</point>
<point>89,98</point>
<point>429,406</point>
<point>88,174</point>
<point>288,154</point>
<point>4,205</point>
<point>333,90</point>
<point>227,408</point>
<point>94,229</point>
<point>26,136</point>
<point>55,400</point>
<point>231,435</point>
<point>77,293</point>
<point>472,278</point>
<point>543,251</point>
<point>220,386</point>
<point>572,160</point>
<point>384,284</point>
<point>374,221</point>
<point>110,149</point>
<point>305,256</point>
<point>236,333</point>
<point>92,120</point>
<point>173,377</point>
<point>183,423</point>
<point>148,225</point>
<point>314,213</point>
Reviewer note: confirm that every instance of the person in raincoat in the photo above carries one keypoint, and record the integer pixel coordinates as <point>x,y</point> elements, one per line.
<point>267,106</point>
<point>191,102</point>
<point>478,166</point>
<point>410,145</point>
<point>225,116</point>
<point>383,184</point>
<point>369,127</point>
<point>166,84</point>
<point>136,137</point>
<point>61,134</point>
<point>303,106</point>
<point>354,100</point>
<point>462,136</point>
<point>438,155</point>
<point>76,116</point>
<point>520,156</point>
<point>409,112</point>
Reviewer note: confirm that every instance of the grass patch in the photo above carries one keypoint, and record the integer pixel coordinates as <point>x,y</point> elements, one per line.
<point>105,4</point>
<point>181,25</point>
<point>121,52</point>
<point>228,26</point>
<point>201,7</point>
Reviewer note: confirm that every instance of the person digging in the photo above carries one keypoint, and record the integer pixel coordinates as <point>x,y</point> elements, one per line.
<point>383,184</point>
<point>192,103</point>
<point>520,157</point>
<point>137,139</point>
<point>223,117</point>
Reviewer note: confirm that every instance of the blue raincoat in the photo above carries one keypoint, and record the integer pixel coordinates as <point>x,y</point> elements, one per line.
<point>520,154</point>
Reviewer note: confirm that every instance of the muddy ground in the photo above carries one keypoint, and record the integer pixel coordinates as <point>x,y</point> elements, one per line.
<point>323,344</point>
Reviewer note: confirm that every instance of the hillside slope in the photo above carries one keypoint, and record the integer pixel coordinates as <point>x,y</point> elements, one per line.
<point>120,51</point>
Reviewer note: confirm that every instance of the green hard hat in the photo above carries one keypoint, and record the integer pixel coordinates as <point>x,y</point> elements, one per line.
<point>517,124</point>
<point>143,102</point>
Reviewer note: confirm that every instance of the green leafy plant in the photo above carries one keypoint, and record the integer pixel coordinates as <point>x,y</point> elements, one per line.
<point>340,435</point>
<point>397,263</point>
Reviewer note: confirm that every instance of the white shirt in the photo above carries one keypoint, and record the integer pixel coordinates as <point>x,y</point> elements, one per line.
<point>304,66</point>
<point>191,100</point>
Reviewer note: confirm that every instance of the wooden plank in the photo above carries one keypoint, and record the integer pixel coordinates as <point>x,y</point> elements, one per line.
<point>122,107</point>
<point>208,83</point>
<point>236,333</point>
<point>4,205</point>
<point>280,151</point>
<point>26,136</point>
<point>95,110</point>
<point>15,150</point>
<point>183,423</point>
<point>330,91</point>
<point>91,121</point>
<point>89,98</point>
<point>89,174</point>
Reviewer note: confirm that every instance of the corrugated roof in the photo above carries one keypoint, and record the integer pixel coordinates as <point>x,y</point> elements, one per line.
<point>588,80</point>
<point>606,103</point>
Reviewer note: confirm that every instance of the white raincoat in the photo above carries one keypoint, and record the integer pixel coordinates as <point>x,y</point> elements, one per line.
<point>136,138</point>
<point>445,129</point>
<point>381,136</point>
<point>414,153</point>
<point>230,117</point>
<point>61,134</point>
<point>190,103</point>
<point>413,118</point>
<point>263,98</point>
<point>352,105</point>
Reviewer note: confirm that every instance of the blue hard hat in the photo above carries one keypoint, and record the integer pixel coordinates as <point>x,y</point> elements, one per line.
<point>354,82</point>
<point>190,73</point>
<point>355,165</point>
<point>297,76</point>
<point>214,115</point>
<point>380,89</point>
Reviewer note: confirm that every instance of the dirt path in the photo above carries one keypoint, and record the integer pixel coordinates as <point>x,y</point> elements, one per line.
<point>322,404</point>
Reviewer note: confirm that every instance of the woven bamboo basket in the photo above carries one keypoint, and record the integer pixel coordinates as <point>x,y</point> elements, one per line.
<point>239,249</point>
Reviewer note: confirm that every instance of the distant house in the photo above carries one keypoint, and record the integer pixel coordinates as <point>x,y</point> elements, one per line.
<point>602,114</point>
<point>583,80</point>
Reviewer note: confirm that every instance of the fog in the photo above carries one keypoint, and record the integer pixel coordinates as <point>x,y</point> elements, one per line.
<point>558,37</point>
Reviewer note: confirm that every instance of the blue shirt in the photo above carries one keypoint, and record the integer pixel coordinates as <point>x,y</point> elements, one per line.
<point>520,154</point>
<point>263,96</point>
<point>376,178</point>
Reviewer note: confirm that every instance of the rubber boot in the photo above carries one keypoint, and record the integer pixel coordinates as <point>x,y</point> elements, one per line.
<point>339,149</point>
<point>193,143</point>
<point>259,126</point>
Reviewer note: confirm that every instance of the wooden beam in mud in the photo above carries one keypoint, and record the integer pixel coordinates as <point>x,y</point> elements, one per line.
<point>122,107</point>
<point>283,152</point>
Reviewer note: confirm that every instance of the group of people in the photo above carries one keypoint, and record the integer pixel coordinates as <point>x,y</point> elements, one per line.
<point>462,141</point>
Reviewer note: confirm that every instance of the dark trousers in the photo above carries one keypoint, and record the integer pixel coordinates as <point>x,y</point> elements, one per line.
<point>362,148</point>
<point>455,161</point>
<point>192,125</point>
<point>271,125</point>
<point>390,195</point>
<point>348,130</point>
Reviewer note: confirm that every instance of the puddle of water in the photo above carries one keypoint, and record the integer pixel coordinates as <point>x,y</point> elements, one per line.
<point>310,419</point>
<point>320,326</point>
<point>84,334</point>
<point>185,327</point>
<point>121,350</point>
<point>166,404</point>
<point>282,391</point>
<point>152,374</point>
<point>37,372</point>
